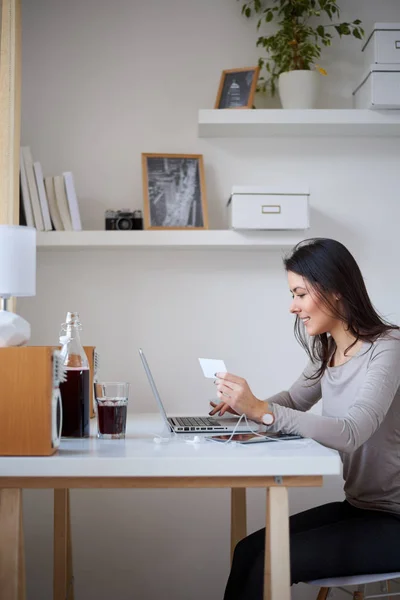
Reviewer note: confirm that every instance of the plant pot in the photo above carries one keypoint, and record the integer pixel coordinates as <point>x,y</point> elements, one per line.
<point>299,89</point>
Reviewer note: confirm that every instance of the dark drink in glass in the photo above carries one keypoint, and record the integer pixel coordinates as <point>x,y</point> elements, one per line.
<point>112,405</point>
<point>112,419</point>
<point>75,403</point>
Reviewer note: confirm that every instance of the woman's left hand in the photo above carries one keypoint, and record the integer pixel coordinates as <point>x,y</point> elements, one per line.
<point>236,392</point>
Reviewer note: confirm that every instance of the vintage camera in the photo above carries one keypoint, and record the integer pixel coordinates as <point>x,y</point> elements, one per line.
<point>124,219</point>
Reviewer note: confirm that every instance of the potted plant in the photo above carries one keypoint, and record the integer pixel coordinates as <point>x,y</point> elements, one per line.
<point>295,48</point>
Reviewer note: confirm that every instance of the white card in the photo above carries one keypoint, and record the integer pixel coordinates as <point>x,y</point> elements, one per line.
<point>211,366</point>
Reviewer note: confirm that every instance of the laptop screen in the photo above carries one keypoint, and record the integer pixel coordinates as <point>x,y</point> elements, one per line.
<point>153,387</point>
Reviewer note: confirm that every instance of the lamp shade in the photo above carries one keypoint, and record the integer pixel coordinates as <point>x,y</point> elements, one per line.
<point>17,261</point>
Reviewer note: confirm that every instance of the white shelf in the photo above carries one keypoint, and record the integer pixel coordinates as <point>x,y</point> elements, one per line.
<point>224,239</point>
<point>280,122</point>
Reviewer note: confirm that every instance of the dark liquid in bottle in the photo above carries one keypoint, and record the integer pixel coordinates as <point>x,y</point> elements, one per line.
<point>75,402</point>
<point>112,419</point>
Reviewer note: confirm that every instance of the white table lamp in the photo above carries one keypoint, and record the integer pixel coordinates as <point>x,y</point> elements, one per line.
<point>17,278</point>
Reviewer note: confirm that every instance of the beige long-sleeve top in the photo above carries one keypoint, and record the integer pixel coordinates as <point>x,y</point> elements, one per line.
<point>360,418</point>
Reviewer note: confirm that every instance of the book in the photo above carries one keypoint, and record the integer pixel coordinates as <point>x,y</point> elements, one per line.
<point>37,168</point>
<point>24,191</point>
<point>62,202</point>
<point>33,192</point>
<point>53,208</point>
<point>72,201</point>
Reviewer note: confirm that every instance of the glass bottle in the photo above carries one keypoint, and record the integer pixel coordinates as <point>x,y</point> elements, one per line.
<point>74,391</point>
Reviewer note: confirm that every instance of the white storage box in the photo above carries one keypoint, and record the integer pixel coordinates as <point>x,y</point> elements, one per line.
<point>379,88</point>
<point>263,207</point>
<point>383,45</point>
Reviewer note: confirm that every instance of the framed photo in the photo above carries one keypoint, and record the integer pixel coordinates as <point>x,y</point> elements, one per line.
<point>174,191</point>
<point>237,88</point>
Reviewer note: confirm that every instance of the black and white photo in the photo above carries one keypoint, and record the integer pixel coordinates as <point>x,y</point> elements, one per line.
<point>174,191</point>
<point>237,88</point>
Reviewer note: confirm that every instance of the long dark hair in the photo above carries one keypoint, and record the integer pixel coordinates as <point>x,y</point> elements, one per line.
<point>331,270</point>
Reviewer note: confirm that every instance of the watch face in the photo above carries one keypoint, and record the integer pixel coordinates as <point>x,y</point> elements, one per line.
<point>268,419</point>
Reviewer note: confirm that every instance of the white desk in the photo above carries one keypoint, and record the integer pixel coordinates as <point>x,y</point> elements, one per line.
<point>138,462</point>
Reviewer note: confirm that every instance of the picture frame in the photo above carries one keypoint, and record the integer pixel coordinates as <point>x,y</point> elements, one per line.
<point>174,191</point>
<point>237,88</point>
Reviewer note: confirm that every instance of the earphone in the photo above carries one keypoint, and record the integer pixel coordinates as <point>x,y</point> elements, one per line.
<point>160,440</point>
<point>195,440</point>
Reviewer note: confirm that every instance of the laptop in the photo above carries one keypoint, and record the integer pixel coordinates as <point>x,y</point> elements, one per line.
<point>194,424</point>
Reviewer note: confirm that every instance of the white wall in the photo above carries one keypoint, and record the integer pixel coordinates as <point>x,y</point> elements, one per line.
<point>102,82</point>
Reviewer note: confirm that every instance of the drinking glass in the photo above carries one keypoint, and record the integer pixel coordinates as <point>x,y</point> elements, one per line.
<point>111,399</point>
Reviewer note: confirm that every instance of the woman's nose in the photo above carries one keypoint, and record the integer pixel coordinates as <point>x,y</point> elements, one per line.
<point>293,308</point>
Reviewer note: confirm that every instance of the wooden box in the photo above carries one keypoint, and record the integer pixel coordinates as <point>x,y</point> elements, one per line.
<point>90,352</point>
<point>29,423</point>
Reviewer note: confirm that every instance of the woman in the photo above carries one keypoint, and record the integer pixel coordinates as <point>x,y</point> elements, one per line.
<point>355,367</point>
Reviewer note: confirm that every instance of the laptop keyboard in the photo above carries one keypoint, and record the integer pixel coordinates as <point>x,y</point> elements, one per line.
<point>196,421</point>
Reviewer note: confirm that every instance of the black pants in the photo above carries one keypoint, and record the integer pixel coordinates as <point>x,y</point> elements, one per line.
<point>332,540</point>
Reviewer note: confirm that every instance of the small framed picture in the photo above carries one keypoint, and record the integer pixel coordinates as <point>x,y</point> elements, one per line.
<point>237,88</point>
<point>174,191</point>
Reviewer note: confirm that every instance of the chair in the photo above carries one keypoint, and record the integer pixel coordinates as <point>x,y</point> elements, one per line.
<point>361,581</point>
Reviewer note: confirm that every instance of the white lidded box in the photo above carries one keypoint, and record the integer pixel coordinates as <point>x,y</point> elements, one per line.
<point>266,207</point>
<point>379,88</point>
<point>383,45</point>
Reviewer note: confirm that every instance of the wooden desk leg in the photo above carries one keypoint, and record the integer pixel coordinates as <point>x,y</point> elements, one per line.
<point>238,517</point>
<point>277,557</point>
<point>70,571</point>
<point>21,562</point>
<point>12,564</point>
<point>63,587</point>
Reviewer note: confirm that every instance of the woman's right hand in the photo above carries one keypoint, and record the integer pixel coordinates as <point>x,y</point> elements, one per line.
<point>221,409</point>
